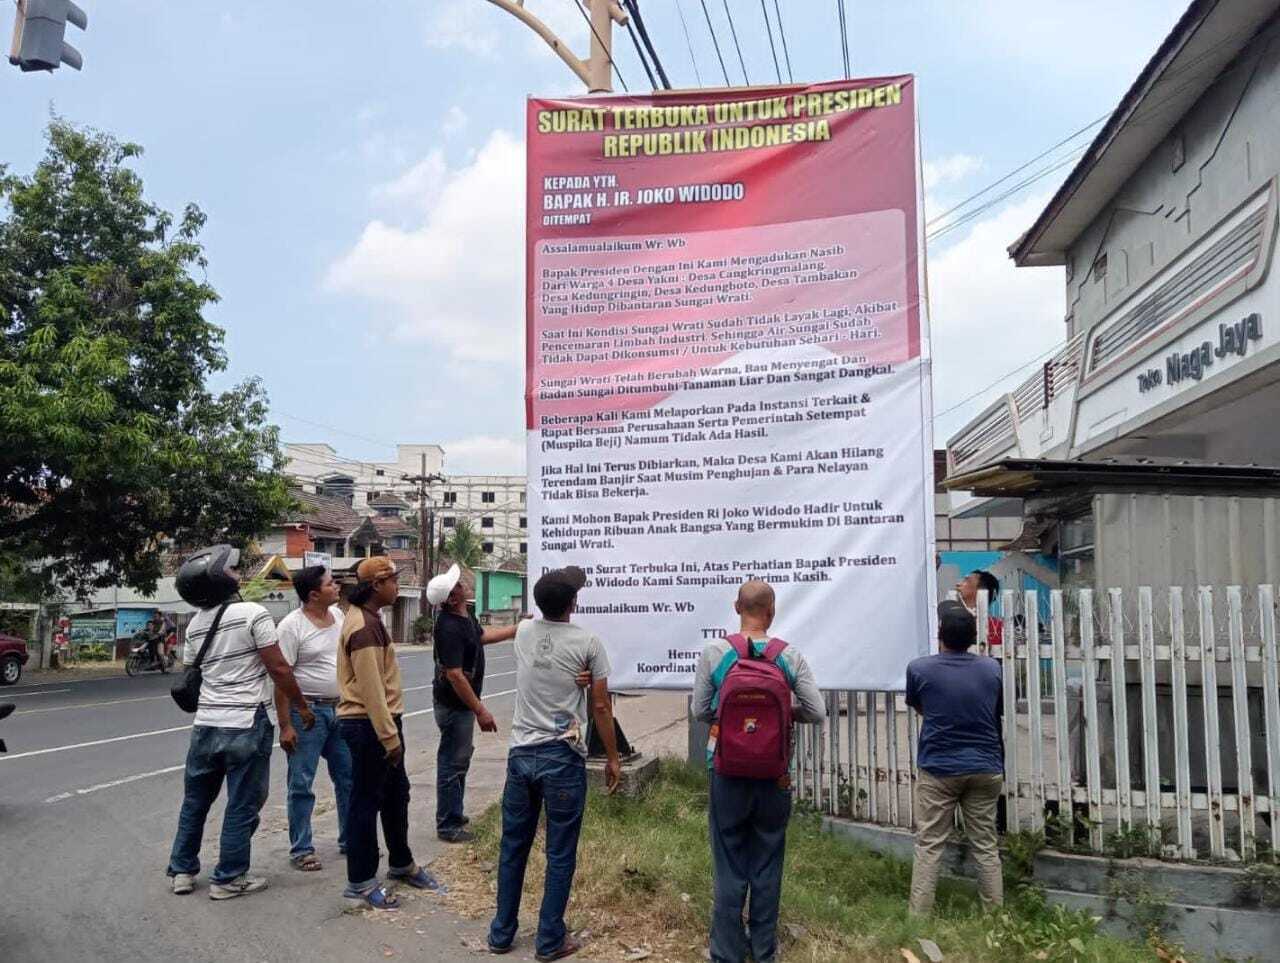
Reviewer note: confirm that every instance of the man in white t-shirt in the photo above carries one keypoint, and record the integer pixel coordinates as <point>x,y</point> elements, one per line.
<point>309,641</point>
<point>233,736</point>
<point>546,764</point>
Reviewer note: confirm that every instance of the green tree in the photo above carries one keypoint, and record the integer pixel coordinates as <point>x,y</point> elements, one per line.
<point>111,445</point>
<point>464,545</point>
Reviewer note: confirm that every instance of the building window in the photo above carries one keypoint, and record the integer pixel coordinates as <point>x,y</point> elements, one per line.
<point>522,496</point>
<point>524,521</point>
<point>400,541</point>
<point>451,498</point>
<point>487,548</point>
<point>524,548</point>
<point>488,498</point>
<point>379,472</point>
<point>1178,150</point>
<point>1100,269</point>
<point>486,522</point>
<point>448,521</point>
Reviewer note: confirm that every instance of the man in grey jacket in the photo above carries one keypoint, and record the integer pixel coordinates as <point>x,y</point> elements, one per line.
<point>749,817</point>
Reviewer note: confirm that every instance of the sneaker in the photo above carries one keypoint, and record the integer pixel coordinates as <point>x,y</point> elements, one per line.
<point>377,898</point>
<point>240,886</point>
<point>458,836</point>
<point>417,877</point>
<point>183,883</point>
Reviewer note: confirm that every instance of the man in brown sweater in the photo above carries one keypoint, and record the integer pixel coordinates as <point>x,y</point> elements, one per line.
<point>369,712</point>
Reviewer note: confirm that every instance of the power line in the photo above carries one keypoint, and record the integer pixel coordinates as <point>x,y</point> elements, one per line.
<point>844,37</point>
<point>634,7</point>
<point>1008,374</point>
<point>653,83</point>
<point>689,41</point>
<point>772,49</point>
<point>782,33</point>
<point>1187,74</point>
<point>734,31</point>
<point>983,208</point>
<point>707,13</point>
<point>603,46</point>
<point>1017,170</point>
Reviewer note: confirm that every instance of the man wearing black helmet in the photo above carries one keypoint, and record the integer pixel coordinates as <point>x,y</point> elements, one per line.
<point>233,734</point>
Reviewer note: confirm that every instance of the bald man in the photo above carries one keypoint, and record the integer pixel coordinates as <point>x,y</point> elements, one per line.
<point>749,817</point>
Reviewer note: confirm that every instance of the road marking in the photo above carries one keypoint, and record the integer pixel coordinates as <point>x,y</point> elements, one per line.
<point>95,742</point>
<point>115,782</point>
<point>19,695</point>
<point>419,712</point>
<point>94,705</point>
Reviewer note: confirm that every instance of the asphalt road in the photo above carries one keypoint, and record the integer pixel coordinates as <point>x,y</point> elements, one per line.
<point>89,795</point>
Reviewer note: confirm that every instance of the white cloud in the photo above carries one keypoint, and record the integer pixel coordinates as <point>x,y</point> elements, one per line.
<point>950,169</point>
<point>485,455</point>
<point>456,280</point>
<point>484,29</point>
<point>987,316</point>
<point>455,121</point>
<point>418,188</point>
<point>465,25</point>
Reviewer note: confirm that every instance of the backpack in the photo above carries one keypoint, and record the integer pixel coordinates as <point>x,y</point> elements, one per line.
<point>753,739</point>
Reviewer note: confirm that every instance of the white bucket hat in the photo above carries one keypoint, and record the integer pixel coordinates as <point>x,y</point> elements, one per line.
<point>438,588</point>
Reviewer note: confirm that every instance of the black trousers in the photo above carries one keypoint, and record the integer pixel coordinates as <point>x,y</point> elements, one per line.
<point>378,789</point>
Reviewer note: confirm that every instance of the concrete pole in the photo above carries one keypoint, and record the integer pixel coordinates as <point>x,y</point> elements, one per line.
<point>600,64</point>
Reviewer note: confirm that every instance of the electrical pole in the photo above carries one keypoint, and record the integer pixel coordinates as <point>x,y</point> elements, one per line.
<point>426,530</point>
<point>595,71</point>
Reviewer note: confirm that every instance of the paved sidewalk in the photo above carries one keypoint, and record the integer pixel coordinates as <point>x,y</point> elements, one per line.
<point>424,929</point>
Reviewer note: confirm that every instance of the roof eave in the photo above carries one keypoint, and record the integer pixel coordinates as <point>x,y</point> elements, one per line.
<point>1025,251</point>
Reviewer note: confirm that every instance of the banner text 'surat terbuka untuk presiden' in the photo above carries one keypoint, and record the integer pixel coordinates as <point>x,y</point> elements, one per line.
<point>728,372</point>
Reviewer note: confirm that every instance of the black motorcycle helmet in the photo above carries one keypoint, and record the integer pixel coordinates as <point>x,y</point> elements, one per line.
<point>205,579</point>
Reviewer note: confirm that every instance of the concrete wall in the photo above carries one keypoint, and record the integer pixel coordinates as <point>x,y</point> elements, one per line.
<point>1230,147</point>
<point>1209,909</point>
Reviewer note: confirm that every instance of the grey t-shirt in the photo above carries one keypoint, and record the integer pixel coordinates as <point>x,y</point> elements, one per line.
<point>549,704</point>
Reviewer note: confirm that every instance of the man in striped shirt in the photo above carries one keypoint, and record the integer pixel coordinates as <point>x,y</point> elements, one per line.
<point>231,740</point>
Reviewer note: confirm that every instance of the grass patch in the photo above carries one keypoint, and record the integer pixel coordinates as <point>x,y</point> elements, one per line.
<point>644,881</point>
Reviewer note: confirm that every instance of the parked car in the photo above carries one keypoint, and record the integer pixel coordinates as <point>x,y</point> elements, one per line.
<point>13,656</point>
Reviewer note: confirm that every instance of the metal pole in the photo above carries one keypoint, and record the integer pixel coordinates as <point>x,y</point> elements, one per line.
<point>424,536</point>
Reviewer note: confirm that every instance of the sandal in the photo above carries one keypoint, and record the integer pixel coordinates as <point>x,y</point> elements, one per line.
<point>309,863</point>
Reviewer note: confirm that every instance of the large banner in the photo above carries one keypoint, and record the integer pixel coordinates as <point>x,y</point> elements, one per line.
<point>728,372</point>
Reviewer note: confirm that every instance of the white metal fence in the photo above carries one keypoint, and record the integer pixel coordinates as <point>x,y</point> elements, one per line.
<point>1157,722</point>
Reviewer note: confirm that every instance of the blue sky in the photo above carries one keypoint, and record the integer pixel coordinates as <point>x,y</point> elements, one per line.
<point>361,166</point>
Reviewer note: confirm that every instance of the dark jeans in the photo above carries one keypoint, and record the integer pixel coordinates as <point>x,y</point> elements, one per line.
<point>243,758</point>
<point>321,741</point>
<point>748,840</point>
<point>453,759</point>
<point>555,775</point>
<point>377,789</point>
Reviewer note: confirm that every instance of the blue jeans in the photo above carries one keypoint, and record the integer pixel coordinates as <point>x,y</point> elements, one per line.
<point>243,758</point>
<point>748,820</point>
<point>453,759</point>
<point>554,775</point>
<point>320,741</point>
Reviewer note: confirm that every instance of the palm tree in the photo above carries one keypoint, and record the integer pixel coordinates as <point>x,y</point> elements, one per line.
<point>464,545</point>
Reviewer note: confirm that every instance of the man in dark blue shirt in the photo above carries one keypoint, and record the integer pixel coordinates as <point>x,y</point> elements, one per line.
<point>960,756</point>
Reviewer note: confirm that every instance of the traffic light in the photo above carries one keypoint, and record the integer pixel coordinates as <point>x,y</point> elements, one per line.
<point>38,33</point>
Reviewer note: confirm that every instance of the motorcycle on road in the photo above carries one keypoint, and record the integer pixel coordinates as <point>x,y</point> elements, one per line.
<point>140,659</point>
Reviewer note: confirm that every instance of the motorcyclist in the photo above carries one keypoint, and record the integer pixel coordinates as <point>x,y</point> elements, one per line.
<point>153,635</point>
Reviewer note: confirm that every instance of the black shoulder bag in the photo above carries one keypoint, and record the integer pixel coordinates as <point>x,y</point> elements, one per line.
<point>187,692</point>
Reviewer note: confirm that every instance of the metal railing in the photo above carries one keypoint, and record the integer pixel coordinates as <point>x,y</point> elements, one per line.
<point>1160,723</point>
<point>1055,376</point>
